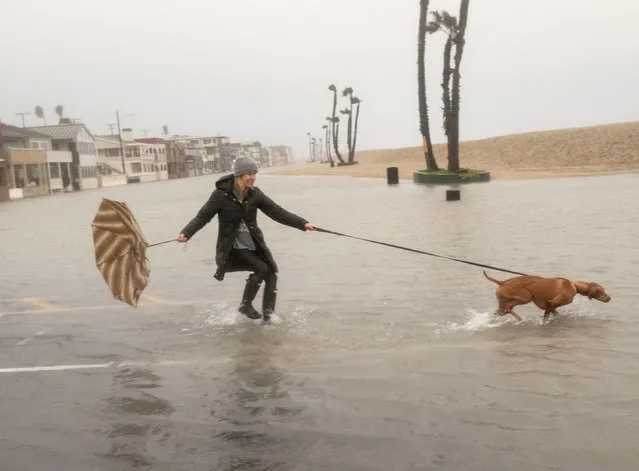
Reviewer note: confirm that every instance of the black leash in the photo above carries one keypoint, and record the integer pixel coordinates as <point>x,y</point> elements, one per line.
<point>319,229</point>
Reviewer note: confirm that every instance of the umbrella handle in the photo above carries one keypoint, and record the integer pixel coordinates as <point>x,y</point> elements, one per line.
<point>160,243</point>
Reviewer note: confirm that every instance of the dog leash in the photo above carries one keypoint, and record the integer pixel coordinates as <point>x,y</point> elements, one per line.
<point>319,229</point>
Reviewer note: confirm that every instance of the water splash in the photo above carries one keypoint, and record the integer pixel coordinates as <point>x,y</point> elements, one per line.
<point>477,321</point>
<point>223,316</point>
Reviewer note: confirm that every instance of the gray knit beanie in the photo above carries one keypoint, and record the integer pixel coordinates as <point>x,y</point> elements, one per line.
<point>244,165</point>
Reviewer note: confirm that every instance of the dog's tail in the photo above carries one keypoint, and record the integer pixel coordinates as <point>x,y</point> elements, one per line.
<point>492,279</point>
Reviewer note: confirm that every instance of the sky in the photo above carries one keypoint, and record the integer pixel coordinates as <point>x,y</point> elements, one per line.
<point>260,69</point>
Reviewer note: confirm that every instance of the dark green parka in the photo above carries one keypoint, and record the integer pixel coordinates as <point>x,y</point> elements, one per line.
<point>230,211</point>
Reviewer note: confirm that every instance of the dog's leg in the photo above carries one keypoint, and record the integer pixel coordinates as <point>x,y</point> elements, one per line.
<point>515,315</point>
<point>551,308</point>
<point>511,306</point>
<point>506,307</point>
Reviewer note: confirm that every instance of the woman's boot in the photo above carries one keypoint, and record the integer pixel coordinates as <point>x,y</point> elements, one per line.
<point>250,291</point>
<point>269,297</point>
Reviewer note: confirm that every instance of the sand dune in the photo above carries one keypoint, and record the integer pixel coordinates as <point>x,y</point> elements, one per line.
<point>595,150</point>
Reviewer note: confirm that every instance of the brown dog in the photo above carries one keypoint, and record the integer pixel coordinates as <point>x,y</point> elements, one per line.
<point>547,293</point>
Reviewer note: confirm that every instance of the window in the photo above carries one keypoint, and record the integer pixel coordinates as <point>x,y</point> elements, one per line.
<point>41,145</point>
<point>136,167</point>
<point>33,175</point>
<point>86,148</point>
<point>89,172</point>
<point>54,169</point>
<point>19,176</point>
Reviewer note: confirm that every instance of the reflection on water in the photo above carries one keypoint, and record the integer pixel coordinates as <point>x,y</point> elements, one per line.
<point>248,416</point>
<point>133,431</point>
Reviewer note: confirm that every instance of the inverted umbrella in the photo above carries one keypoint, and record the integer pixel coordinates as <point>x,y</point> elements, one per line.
<point>120,251</point>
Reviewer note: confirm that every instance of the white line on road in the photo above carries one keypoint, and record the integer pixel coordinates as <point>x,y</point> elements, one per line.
<point>54,368</point>
<point>122,364</point>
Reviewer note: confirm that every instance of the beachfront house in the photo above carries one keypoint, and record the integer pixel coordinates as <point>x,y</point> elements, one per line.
<point>78,140</point>
<point>143,161</point>
<point>31,166</point>
<point>156,147</point>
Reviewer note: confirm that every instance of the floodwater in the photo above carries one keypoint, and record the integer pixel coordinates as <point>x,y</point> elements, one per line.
<point>377,359</point>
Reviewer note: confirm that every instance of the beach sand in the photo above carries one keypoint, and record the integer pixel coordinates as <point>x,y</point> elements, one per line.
<point>596,150</point>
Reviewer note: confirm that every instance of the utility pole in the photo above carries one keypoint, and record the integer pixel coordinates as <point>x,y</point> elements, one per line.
<point>146,131</point>
<point>23,114</point>
<point>111,126</point>
<point>117,115</point>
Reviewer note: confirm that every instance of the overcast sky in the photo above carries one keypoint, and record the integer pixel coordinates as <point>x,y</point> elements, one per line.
<point>259,69</point>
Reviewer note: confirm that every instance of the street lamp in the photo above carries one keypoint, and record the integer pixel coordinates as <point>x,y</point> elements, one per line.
<point>117,115</point>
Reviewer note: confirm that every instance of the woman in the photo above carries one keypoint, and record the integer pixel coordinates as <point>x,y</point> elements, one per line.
<point>240,242</point>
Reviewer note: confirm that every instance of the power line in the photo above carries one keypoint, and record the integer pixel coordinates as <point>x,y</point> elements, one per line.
<point>23,114</point>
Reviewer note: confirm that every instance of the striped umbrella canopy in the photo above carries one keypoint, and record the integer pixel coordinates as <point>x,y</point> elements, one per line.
<point>120,251</point>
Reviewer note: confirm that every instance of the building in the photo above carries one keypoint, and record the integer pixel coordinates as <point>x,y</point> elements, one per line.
<point>4,168</point>
<point>78,140</point>
<point>156,147</point>
<point>175,159</point>
<point>144,159</point>
<point>255,151</point>
<point>31,167</point>
<point>204,154</point>
<point>280,155</point>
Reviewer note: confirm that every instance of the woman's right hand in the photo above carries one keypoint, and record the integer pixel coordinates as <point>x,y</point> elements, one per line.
<point>182,238</point>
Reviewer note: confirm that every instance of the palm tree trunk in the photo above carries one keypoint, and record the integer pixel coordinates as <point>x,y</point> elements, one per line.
<point>335,128</point>
<point>328,147</point>
<point>349,134</point>
<point>431,163</point>
<point>453,155</point>
<point>335,143</point>
<point>355,132</point>
<point>446,71</point>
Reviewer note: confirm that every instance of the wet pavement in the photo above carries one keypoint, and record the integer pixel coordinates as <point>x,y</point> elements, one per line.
<point>377,358</point>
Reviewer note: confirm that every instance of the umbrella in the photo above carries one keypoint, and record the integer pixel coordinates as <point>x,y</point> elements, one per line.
<point>120,251</point>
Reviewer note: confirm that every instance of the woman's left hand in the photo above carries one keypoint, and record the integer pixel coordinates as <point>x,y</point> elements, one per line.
<point>309,227</point>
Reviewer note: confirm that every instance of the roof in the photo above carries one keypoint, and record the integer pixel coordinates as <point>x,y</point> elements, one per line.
<point>102,142</point>
<point>15,131</point>
<point>60,131</point>
<point>150,140</point>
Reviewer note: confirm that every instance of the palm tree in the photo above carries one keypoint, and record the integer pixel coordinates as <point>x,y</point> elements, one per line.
<point>335,124</point>
<point>354,101</point>
<point>39,112</point>
<point>310,150</point>
<point>424,126</point>
<point>347,112</point>
<point>59,110</point>
<point>165,130</point>
<point>327,133</point>
<point>453,153</point>
<point>348,93</point>
<point>444,21</point>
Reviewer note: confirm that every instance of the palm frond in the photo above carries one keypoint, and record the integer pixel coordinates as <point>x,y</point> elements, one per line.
<point>433,27</point>
<point>449,21</point>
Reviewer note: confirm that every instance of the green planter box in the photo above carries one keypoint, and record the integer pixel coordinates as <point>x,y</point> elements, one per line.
<point>443,177</point>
